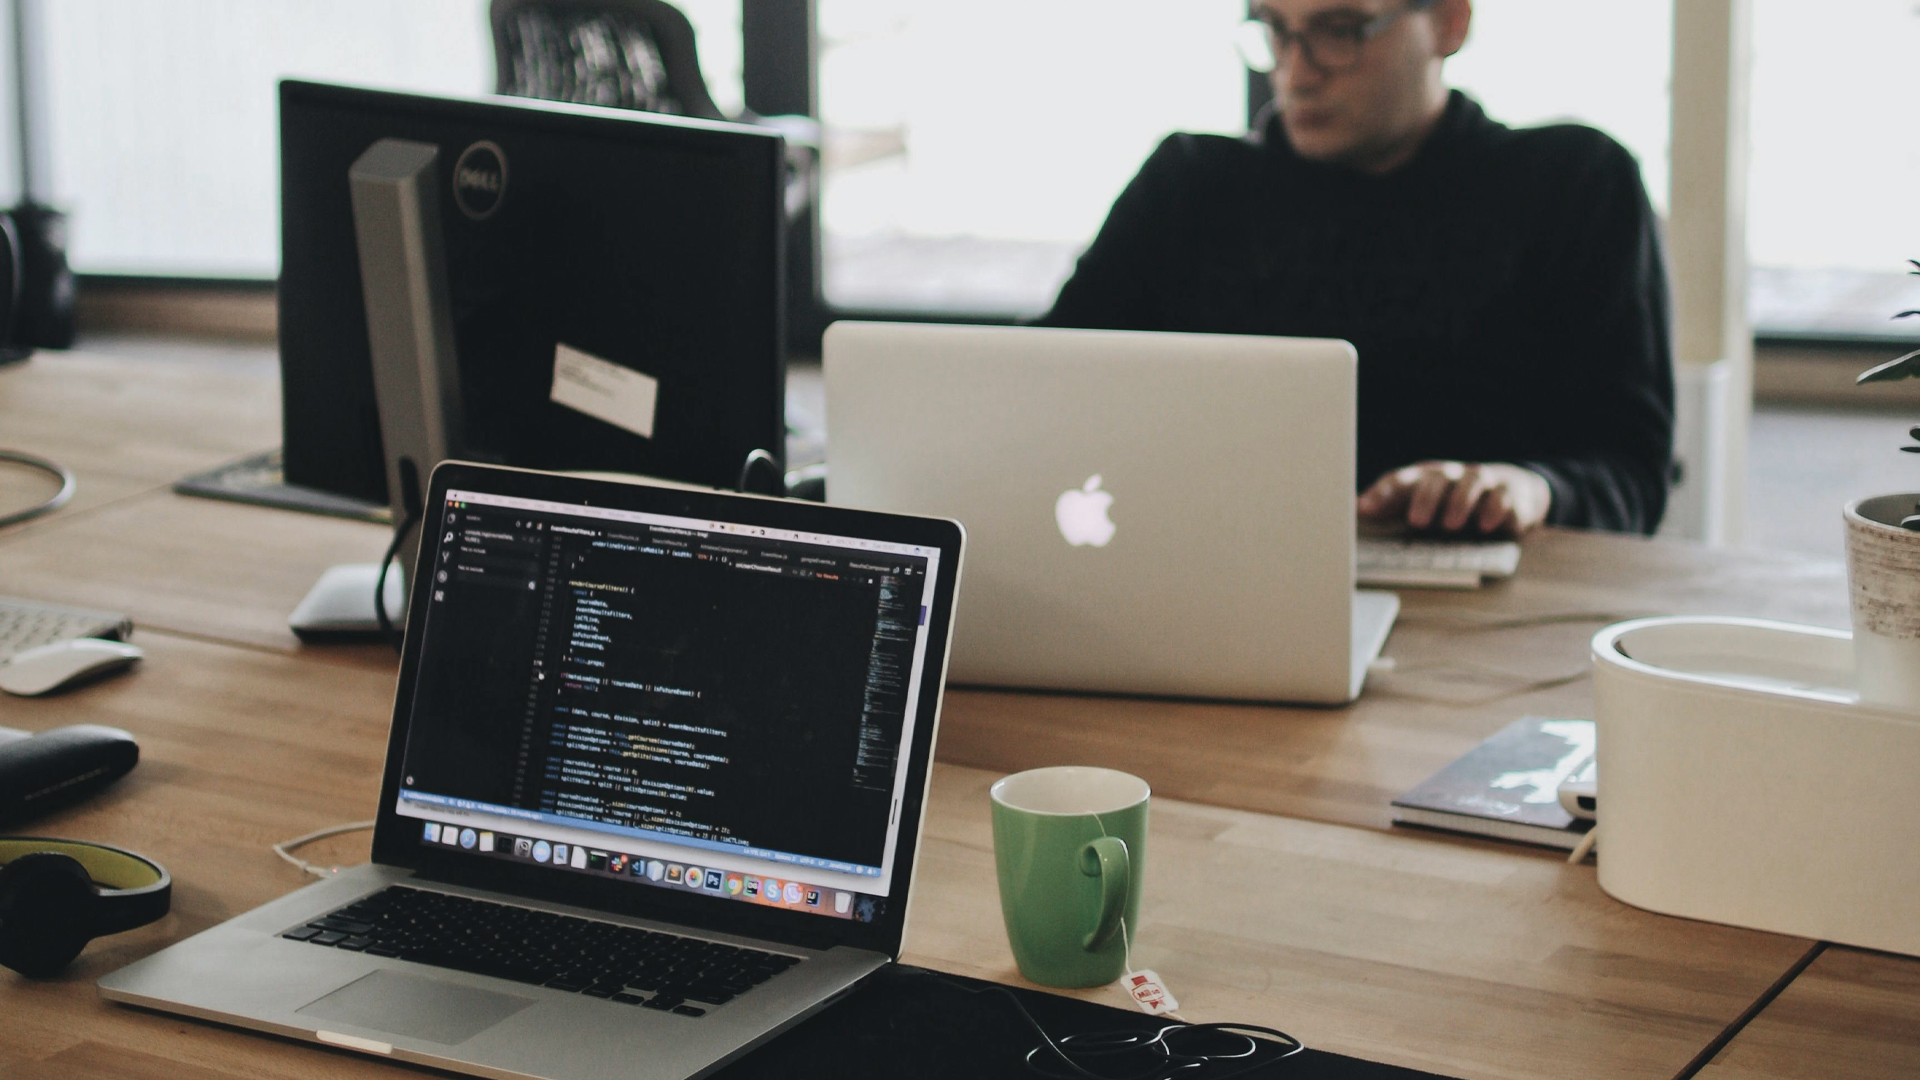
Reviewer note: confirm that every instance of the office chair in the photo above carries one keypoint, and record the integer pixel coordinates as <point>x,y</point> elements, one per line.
<point>628,54</point>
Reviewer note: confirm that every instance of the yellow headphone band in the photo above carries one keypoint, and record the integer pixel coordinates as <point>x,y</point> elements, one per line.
<point>47,916</point>
<point>107,866</point>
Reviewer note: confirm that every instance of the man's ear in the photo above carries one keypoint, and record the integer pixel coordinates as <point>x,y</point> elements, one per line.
<point>1450,20</point>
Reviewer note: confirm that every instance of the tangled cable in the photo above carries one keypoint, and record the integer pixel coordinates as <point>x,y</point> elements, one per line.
<point>1179,1051</point>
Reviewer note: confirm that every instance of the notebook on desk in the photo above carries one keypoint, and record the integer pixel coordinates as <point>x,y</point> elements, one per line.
<point>1147,513</point>
<point>1508,787</point>
<point>653,789</point>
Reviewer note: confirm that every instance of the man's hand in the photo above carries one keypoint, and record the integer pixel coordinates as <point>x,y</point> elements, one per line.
<point>1454,496</point>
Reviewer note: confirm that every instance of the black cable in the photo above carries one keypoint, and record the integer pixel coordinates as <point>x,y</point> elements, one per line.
<point>410,501</point>
<point>53,469</point>
<point>758,460</point>
<point>394,636</point>
<point>1169,1047</point>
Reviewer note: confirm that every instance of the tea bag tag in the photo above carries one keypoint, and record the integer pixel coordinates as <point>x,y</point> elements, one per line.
<point>1148,992</point>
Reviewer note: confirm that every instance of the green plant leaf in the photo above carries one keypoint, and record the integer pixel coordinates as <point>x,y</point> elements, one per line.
<point>1898,368</point>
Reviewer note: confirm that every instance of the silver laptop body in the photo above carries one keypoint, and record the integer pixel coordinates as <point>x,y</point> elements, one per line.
<point>634,698</point>
<point>1147,513</point>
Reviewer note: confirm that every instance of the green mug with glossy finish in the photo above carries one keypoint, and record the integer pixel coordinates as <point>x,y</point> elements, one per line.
<point>1070,845</point>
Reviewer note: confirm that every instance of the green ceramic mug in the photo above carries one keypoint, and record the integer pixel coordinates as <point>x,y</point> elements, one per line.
<point>1070,843</point>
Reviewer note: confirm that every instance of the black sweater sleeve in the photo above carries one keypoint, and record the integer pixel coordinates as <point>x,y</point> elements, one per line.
<point>1615,422</point>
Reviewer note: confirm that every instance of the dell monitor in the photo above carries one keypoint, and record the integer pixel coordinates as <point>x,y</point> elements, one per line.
<point>614,281</point>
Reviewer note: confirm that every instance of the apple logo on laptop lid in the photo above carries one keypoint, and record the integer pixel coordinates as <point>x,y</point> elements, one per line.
<point>1081,514</point>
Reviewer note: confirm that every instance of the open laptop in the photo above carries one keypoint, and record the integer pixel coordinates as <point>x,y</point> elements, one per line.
<point>1148,513</point>
<point>653,790</point>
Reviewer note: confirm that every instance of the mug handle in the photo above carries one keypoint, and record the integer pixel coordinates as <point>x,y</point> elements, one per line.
<point>1106,858</point>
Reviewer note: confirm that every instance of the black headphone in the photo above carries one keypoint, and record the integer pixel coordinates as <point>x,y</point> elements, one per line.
<point>57,895</point>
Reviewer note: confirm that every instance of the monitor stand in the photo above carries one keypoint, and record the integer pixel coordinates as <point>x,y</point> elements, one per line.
<point>340,604</point>
<point>416,376</point>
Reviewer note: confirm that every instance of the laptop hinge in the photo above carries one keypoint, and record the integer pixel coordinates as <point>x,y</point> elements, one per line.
<point>815,942</point>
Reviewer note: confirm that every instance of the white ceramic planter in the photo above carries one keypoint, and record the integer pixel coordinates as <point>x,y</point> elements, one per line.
<point>1883,587</point>
<point>1742,782</point>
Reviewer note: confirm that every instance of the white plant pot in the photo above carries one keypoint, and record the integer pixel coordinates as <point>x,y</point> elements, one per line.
<point>1741,781</point>
<point>1883,591</point>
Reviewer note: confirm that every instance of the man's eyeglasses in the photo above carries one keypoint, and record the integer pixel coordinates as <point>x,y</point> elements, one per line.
<point>1330,41</point>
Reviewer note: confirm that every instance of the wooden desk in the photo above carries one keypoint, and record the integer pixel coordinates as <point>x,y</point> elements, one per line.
<point>1852,1015</point>
<point>128,427</point>
<point>1460,957</point>
<point>232,573</point>
<point>1462,674</point>
<point>1456,955</point>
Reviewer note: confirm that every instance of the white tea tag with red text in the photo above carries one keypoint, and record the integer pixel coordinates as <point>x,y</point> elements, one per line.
<point>1148,992</point>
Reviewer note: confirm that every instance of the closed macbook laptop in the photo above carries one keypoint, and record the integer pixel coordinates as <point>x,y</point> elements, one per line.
<point>1147,513</point>
<point>653,788</point>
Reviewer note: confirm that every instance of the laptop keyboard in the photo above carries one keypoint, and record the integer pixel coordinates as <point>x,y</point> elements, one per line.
<point>584,956</point>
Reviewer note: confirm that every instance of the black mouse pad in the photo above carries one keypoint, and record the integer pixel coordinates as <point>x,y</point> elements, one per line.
<point>907,1022</point>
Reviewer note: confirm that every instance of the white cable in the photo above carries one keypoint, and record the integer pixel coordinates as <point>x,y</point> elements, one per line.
<point>1384,666</point>
<point>1585,846</point>
<point>1126,944</point>
<point>1126,937</point>
<point>1522,684</point>
<point>54,469</point>
<point>285,848</point>
<point>1477,620</point>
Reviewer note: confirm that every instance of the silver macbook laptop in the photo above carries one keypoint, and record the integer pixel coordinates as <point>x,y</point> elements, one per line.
<point>653,790</point>
<point>1147,513</point>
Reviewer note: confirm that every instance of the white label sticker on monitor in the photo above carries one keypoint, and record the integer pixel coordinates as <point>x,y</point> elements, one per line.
<point>604,390</point>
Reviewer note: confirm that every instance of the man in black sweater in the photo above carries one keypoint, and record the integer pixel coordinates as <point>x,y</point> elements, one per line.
<point>1505,288</point>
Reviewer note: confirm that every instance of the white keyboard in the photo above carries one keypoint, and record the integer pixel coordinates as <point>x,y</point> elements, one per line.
<point>25,624</point>
<point>1421,563</point>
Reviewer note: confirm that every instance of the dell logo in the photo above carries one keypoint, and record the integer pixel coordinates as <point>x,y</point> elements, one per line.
<point>474,179</point>
<point>480,180</point>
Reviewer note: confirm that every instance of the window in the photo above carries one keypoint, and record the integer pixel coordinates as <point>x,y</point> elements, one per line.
<point>1607,68</point>
<point>973,149</point>
<point>1833,197</point>
<point>160,134</point>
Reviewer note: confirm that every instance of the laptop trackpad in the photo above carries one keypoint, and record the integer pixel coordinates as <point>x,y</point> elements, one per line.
<point>418,1008</point>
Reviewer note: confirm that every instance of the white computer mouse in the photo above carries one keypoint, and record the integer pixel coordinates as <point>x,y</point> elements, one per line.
<point>50,667</point>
